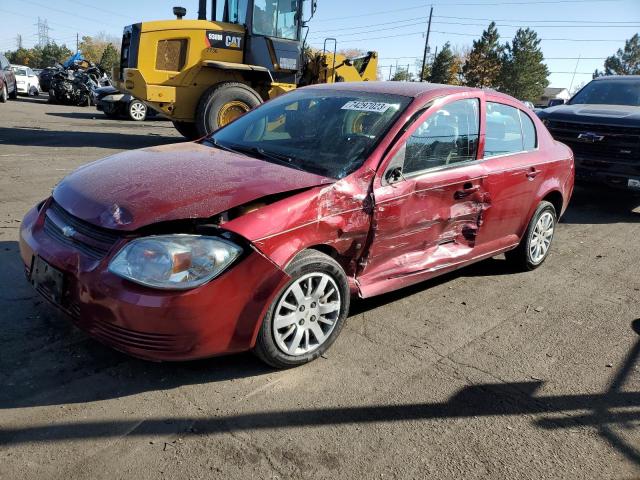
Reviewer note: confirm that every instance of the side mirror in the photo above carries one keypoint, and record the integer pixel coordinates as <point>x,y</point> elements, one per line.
<point>393,175</point>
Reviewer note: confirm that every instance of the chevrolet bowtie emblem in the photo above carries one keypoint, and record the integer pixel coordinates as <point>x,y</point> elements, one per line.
<point>68,231</point>
<point>590,137</point>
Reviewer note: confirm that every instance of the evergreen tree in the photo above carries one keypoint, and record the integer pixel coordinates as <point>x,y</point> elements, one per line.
<point>625,62</point>
<point>444,67</point>
<point>483,65</point>
<point>109,59</point>
<point>523,74</point>
<point>402,75</point>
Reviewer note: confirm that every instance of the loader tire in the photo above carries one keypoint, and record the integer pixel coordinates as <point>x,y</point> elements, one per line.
<point>223,103</point>
<point>188,130</point>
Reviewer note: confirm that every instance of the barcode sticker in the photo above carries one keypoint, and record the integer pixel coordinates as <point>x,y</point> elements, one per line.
<point>366,106</point>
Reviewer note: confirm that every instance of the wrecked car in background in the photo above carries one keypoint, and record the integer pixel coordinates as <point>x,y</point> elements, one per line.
<point>601,124</point>
<point>255,237</point>
<point>115,104</point>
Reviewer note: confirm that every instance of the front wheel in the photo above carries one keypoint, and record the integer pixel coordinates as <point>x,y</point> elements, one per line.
<point>536,242</point>
<point>308,313</point>
<point>13,95</point>
<point>137,111</point>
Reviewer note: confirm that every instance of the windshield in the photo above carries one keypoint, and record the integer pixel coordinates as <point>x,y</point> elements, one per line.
<point>612,92</point>
<point>276,18</point>
<point>20,71</point>
<point>326,132</point>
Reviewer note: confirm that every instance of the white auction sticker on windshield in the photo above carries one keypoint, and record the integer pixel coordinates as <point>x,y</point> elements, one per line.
<point>367,106</point>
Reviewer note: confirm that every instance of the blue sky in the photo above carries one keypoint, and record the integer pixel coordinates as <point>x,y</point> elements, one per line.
<point>590,29</point>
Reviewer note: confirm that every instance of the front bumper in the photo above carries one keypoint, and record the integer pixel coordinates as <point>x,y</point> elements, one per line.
<point>601,171</point>
<point>222,316</point>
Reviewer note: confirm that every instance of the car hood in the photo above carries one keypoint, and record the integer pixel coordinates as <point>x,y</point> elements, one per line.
<point>623,115</point>
<point>134,189</point>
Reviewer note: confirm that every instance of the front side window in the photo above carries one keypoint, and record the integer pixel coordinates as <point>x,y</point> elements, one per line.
<point>448,136</point>
<point>326,132</point>
<point>276,18</point>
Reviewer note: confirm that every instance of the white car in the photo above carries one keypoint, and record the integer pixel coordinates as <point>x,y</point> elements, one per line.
<point>27,80</point>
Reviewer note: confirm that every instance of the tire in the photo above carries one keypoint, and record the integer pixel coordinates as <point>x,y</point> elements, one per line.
<point>223,103</point>
<point>137,111</point>
<point>109,110</point>
<point>188,130</point>
<point>522,257</point>
<point>316,267</point>
<point>52,97</point>
<point>3,93</point>
<point>13,95</point>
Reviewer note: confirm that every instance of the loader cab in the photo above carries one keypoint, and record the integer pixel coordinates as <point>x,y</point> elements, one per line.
<point>274,29</point>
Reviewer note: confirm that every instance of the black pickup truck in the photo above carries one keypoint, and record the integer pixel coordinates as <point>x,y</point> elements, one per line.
<point>601,124</point>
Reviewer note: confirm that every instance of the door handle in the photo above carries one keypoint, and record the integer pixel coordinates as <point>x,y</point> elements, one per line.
<point>467,189</point>
<point>533,173</point>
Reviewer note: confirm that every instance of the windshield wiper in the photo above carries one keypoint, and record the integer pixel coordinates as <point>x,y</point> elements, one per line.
<point>216,144</point>
<point>267,155</point>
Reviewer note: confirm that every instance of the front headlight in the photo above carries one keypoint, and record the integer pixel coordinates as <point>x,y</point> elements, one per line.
<point>174,261</point>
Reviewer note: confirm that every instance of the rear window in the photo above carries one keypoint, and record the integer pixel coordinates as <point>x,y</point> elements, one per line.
<point>609,92</point>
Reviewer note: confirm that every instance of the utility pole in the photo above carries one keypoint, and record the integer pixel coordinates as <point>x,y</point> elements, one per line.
<point>77,42</point>
<point>19,41</point>
<point>390,67</point>
<point>426,46</point>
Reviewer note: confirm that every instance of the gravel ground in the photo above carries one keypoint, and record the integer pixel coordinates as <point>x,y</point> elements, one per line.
<point>484,373</point>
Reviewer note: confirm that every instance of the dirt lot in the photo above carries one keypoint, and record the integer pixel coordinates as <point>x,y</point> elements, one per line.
<point>484,373</point>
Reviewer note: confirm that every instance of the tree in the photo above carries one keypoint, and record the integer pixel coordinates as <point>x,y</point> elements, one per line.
<point>445,67</point>
<point>625,62</point>
<point>483,65</point>
<point>109,59</point>
<point>402,75</point>
<point>39,57</point>
<point>53,53</point>
<point>523,74</point>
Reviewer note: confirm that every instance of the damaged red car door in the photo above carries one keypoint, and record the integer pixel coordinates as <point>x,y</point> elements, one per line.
<point>429,197</point>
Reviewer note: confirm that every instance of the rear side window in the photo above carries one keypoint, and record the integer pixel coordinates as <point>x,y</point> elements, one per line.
<point>529,138</point>
<point>508,130</point>
<point>448,136</point>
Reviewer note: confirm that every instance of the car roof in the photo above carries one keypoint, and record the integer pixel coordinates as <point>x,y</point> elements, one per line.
<point>407,89</point>
<point>19,66</point>
<point>617,78</point>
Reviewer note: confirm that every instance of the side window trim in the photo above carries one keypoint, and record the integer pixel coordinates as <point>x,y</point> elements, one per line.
<point>520,113</point>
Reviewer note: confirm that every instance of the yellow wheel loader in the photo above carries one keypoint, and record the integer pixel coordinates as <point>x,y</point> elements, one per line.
<point>202,74</point>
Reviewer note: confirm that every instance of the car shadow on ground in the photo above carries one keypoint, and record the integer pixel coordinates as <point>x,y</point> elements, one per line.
<point>94,114</point>
<point>35,137</point>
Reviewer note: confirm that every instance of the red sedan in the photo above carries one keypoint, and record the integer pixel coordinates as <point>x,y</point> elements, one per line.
<point>256,237</point>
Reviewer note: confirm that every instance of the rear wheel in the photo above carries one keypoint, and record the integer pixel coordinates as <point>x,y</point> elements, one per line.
<point>187,130</point>
<point>222,104</point>
<point>3,93</point>
<point>307,315</point>
<point>137,110</point>
<point>536,243</point>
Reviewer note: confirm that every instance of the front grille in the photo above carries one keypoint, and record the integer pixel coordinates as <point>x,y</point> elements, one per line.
<point>620,144</point>
<point>94,242</point>
<point>128,338</point>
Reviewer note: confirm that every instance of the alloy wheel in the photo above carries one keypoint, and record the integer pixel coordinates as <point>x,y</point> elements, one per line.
<point>541,237</point>
<point>138,111</point>
<point>306,314</point>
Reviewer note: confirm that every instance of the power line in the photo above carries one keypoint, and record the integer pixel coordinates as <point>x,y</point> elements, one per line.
<point>48,7</point>
<point>446,4</point>
<point>88,5</point>
<point>476,35</point>
<point>420,20</point>
<point>537,21</point>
